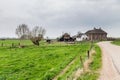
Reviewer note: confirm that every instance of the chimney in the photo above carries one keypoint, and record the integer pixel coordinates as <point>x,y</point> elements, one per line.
<point>94,28</point>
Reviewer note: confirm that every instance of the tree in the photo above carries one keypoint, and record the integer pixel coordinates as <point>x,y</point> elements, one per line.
<point>79,34</point>
<point>22,31</point>
<point>36,35</point>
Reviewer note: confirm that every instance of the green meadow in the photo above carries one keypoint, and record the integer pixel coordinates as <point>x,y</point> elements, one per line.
<point>42,62</point>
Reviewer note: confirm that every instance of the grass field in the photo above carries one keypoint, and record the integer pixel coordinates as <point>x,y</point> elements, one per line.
<point>117,42</point>
<point>42,62</point>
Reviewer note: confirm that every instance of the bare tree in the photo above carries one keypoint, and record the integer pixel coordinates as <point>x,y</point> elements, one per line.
<point>79,34</point>
<point>36,35</point>
<point>22,31</point>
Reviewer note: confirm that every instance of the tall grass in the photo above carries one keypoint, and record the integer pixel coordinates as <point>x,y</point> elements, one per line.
<point>36,62</point>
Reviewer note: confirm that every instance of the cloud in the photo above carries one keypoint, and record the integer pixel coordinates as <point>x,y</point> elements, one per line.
<point>59,16</point>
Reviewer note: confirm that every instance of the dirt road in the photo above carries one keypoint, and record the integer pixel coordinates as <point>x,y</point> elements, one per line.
<point>110,61</point>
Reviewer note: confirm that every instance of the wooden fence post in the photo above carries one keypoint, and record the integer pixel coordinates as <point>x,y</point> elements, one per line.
<point>12,44</point>
<point>2,44</point>
<point>18,44</point>
<point>92,44</point>
<point>81,60</point>
<point>82,63</point>
<point>67,77</point>
<point>88,53</point>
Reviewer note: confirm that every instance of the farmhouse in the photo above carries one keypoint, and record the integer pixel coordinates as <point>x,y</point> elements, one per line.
<point>96,34</point>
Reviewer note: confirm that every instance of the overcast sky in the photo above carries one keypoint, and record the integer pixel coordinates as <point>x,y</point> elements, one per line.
<point>58,16</point>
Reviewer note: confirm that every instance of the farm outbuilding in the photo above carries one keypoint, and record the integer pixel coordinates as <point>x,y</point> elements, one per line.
<point>66,37</point>
<point>80,37</point>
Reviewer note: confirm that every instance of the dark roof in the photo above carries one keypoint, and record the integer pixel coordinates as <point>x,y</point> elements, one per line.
<point>96,31</point>
<point>66,35</point>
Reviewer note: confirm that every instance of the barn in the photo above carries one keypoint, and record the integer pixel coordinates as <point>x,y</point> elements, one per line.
<point>66,37</point>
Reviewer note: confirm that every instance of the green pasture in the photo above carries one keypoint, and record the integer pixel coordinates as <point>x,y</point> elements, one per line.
<point>42,62</point>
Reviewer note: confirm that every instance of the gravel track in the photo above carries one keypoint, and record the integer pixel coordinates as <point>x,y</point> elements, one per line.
<point>110,61</point>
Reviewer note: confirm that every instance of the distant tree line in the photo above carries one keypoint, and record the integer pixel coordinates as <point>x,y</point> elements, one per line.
<point>35,35</point>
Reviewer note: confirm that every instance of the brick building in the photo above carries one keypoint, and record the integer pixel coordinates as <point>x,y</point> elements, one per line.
<point>96,34</point>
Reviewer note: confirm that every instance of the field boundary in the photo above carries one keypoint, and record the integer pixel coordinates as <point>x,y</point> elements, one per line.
<point>85,67</point>
<point>65,69</point>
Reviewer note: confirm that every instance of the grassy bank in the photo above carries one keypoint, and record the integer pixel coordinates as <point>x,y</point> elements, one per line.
<point>94,66</point>
<point>75,65</point>
<point>116,42</point>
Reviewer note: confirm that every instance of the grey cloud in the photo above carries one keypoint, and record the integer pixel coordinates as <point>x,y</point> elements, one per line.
<point>67,15</point>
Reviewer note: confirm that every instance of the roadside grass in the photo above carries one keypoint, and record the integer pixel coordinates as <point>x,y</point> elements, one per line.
<point>116,42</point>
<point>94,66</point>
<point>76,64</point>
<point>97,63</point>
<point>42,62</point>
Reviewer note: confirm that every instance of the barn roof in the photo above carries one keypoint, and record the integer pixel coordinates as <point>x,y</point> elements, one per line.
<point>96,31</point>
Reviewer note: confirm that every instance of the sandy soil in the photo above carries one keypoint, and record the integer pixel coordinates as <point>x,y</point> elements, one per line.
<point>110,61</point>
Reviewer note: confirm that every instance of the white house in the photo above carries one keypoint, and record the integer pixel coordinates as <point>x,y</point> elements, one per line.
<point>81,37</point>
